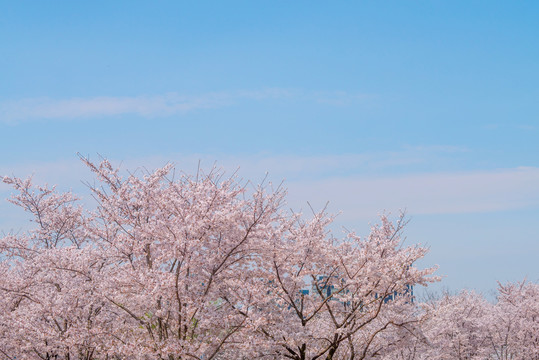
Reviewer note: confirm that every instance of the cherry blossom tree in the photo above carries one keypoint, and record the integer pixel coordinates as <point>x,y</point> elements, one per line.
<point>513,323</point>
<point>334,298</point>
<point>455,326</point>
<point>169,266</point>
<point>42,279</point>
<point>466,326</point>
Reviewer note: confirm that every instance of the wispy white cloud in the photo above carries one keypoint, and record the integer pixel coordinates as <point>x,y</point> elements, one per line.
<point>527,127</point>
<point>150,106</point>
<point>340,98</point>
<point>425,193</point>
<point>510,126</point>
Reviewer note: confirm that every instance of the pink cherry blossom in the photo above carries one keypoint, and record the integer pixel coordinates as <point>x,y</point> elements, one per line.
<point>169,266</point>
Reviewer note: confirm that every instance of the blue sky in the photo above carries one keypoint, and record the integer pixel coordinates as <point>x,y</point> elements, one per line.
<point>426,105</point>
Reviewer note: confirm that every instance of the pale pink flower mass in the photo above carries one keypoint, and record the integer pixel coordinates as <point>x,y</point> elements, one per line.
<point>201,267</point>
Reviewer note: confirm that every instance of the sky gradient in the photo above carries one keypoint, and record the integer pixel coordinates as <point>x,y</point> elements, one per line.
<point>428,106</point>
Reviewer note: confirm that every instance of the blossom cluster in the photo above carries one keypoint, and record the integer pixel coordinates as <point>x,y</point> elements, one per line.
<point>203,267</point>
